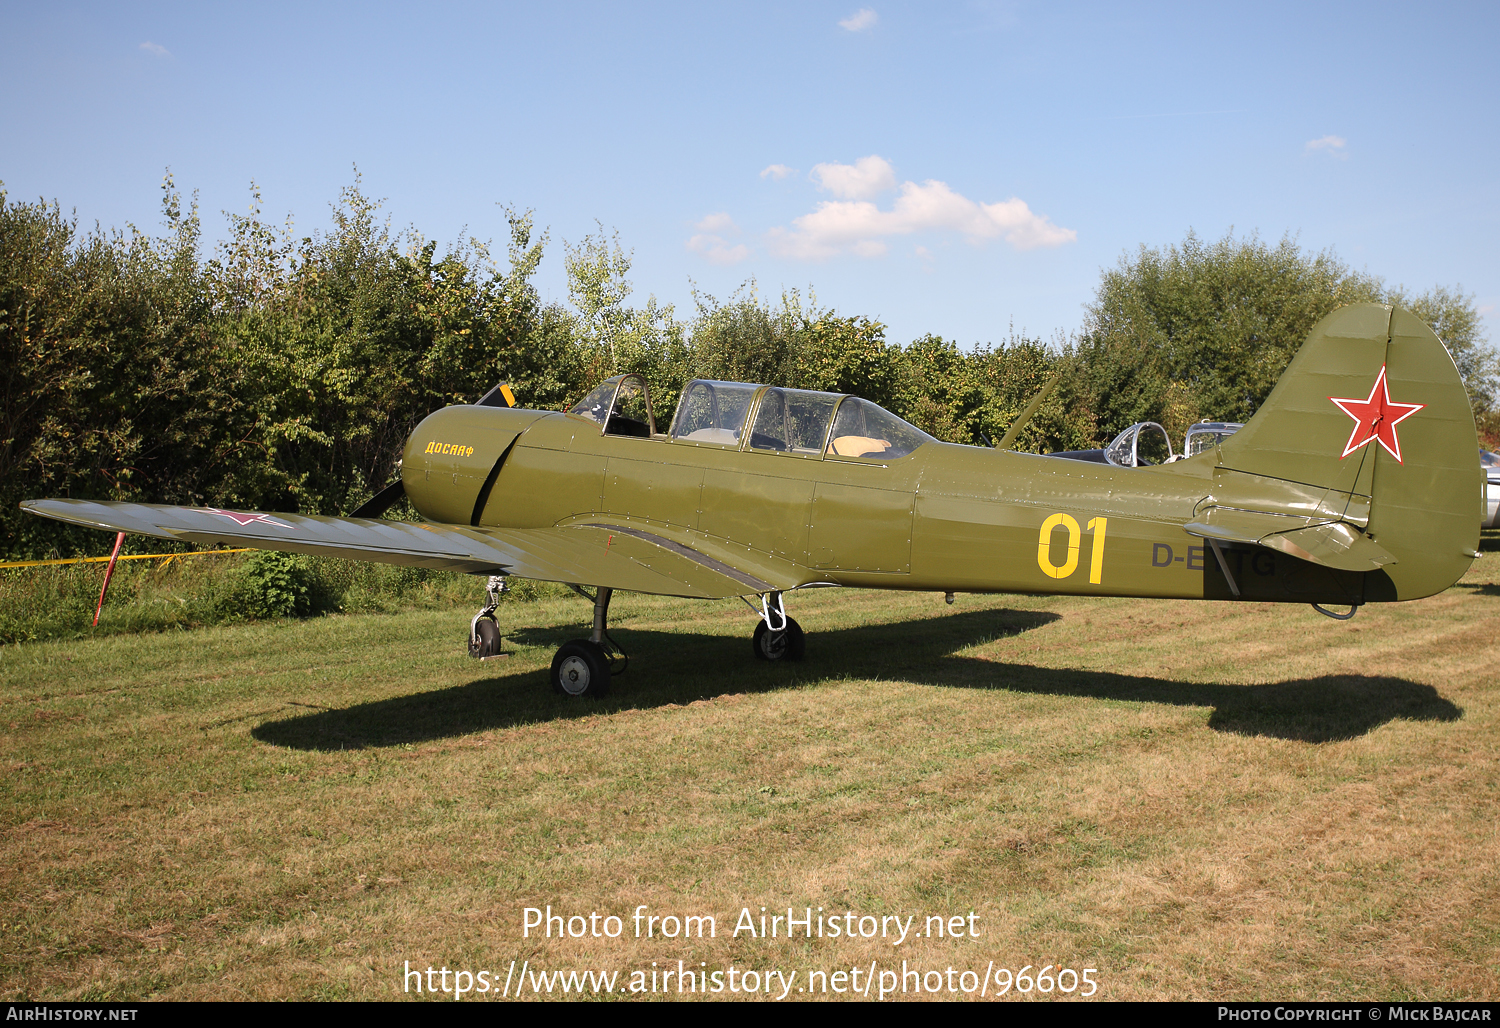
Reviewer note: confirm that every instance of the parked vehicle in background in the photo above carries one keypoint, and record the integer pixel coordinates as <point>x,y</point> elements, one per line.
<point>1491,464</point>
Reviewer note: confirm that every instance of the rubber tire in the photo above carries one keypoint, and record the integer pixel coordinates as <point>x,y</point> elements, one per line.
<point>489,639</point>
<point>580,669</point>
<point>787,645</point>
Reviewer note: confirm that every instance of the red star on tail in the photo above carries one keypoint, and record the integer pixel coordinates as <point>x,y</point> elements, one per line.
<point>1376,417</point>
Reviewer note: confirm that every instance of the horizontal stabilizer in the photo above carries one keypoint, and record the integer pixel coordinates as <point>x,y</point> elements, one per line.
<point>1335,546</point>
<point>1332,544</point>
<point>1229,525</point>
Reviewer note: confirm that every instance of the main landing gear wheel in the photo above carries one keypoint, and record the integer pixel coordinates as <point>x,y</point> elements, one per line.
<point>787,644</point>
<point>580,668</point>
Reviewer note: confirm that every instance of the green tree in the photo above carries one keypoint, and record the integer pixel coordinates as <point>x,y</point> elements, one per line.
<point>612,337</point>
<point>973,397</point>
<point>845,355</point>
<point>1204,330</point>
<point>111,387</point>
<point>365,334</point>
<point>745,338</point>
<point>286,373</point>
<point>1452,314</point>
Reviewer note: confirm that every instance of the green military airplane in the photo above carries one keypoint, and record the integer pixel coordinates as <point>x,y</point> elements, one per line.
<point>1355,483</point>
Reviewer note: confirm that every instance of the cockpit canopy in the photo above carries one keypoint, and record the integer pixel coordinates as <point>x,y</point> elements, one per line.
<point>713,412</point>
<point>794,421</point>
<point>622,405</point>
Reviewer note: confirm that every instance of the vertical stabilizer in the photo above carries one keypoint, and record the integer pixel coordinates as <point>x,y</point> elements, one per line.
<point>1373,416</point>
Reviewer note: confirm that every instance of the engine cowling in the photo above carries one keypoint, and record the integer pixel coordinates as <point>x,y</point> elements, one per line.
<point>450,455</point>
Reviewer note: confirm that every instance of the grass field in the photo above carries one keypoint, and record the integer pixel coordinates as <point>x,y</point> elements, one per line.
<point>1202,800</point>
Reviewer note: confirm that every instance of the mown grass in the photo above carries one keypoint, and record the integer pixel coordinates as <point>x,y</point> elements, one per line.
<point>1201,800</point>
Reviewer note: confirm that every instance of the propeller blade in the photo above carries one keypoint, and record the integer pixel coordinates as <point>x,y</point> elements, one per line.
<point>381,501</point>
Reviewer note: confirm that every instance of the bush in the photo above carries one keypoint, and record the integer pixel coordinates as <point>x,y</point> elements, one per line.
<point>275,585</point>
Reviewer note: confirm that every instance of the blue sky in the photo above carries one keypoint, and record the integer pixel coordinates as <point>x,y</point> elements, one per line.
<point>956,168</point>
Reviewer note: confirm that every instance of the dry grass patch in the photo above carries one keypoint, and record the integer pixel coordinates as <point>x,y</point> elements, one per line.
<point>1200,800</point>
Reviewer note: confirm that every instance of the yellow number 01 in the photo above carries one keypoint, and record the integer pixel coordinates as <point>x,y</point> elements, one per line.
<point>1044,547</point>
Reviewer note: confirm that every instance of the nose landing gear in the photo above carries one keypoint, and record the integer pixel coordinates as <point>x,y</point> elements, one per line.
<point>777,637</point>
<point>484,631</point>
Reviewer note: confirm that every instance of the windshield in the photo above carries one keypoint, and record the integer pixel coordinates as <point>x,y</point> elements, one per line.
<point>621,404</point>
<point>712,412</point>
<point>595,406</point>
<point>1139,446</point>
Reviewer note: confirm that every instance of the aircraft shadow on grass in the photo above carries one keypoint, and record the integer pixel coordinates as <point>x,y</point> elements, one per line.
<point>672,668</point>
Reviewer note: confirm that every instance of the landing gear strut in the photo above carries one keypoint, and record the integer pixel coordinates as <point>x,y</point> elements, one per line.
<point>777,637</point>
<point>582,667</point>
<point>484,631</point>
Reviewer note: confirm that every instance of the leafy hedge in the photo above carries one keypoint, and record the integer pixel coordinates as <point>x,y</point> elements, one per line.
<point>284,374</point>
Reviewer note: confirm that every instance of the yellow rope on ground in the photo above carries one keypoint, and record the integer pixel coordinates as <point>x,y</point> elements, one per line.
<point>124,556</point>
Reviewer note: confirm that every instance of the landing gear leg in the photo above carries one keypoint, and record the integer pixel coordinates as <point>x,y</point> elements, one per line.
<point>777,637</point>
<point>582,667</point>
<point>484,630</point>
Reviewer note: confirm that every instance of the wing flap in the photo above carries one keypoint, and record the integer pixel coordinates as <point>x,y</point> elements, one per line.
<point>697,573</point>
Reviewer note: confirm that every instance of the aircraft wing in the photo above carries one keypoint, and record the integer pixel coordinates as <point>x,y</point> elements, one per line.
<point>614,556</point>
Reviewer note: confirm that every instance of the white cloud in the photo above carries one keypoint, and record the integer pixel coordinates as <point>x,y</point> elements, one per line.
<point>776,171</point>
<point>860,20</point>
<point>716,250</point>
<point>1331,145</point>
<point>713,247</point>
<point>155,49</point>
<point>720,222</point>
<point>860,227</point>
<point>865,179</point>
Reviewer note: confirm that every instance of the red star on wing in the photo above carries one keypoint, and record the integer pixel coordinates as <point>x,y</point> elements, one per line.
<point>1376,417</point>
<point>244,519</point>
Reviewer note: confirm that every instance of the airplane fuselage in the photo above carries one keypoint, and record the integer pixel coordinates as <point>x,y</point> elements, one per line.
<point>945,517</point>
